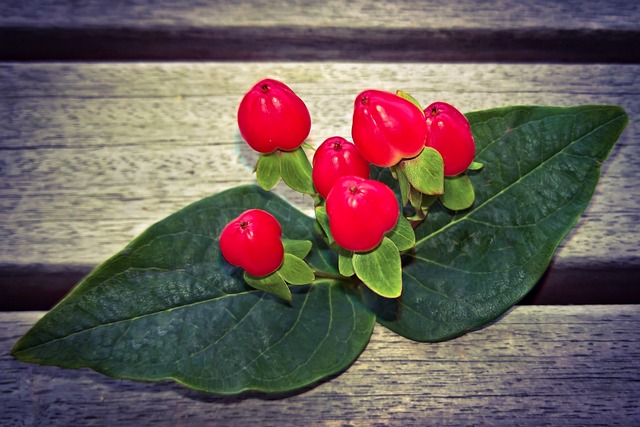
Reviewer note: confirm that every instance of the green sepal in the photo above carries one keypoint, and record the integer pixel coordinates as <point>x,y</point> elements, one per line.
<point>475,166</point>
<point>403,235</point>
<point>323,219</point>
<point>299,248</point>
<point>345,262</point>
<point>272,284</point>
<point>411,99</point>
<point>380,269</point>
<point>403,183</point>
<point>425,172</point>
<point>458,193</point>
<point>268,170</point>
<point>295,271</point>
<point>296,171</point>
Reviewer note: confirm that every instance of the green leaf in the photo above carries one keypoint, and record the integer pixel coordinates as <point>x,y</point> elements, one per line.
<point>168,307</point>
<point>345,262</point>
<point>295,271</point>
<point>299,248</point>
<point>403,183</point>
<point>475,166</point>
<point>409,98</point>
<point>380,269</point>
<point>458,193</point>
<point>402,235</point>
<point>272,284</point>
<point>268,170</point>
<point>425,172</point>
<point>541,168</point>
<point>296,170</point>
<point>323,219</point>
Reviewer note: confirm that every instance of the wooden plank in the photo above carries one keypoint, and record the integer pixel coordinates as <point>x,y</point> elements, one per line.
<point>535,366</point>
<point>407,30</point>
<point>92,154</point>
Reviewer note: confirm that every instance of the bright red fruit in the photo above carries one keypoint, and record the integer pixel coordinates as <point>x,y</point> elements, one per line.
<point>449,133</point>
<point>360,212</point>
<point>387,128</point>
<point>336,157</point>
<point>272,117</point>
<point>252,241</point>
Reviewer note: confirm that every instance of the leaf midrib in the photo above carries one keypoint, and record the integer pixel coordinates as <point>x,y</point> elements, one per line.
<point>505,189</point>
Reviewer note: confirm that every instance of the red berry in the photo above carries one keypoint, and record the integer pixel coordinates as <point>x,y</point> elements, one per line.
<point>360,212</point>
<point>252,241</point>
<point>387,128</point>
<point>449,133</point>
<point>272,117</point>
<point>336,157</point>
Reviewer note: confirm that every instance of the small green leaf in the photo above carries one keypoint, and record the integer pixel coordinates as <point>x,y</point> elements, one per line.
<point>295,271</point>
<point>345,262</point>
<point>268,170</point>
<point>411,99</point>
<point>271,284</point>
<point>402,235</point>
<point>296,170</point>
<point>299,248</point>
<point>425,172</point>
<point>380,269</point>
<point>403,183</point>
<point>458,193</point>
<point>475,166</point>
<point>323,219</point>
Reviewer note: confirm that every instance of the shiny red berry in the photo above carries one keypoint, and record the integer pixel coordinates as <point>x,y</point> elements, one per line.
<point>387,128</point>
<point>252,241</point>
<point>449,133</point>
<point>336,157</point>
<point>272,117</point>
<point>360,212</point>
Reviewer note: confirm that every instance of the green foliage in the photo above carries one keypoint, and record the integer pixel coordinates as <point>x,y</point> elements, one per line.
<point>168,306</point>
<point>380,269</point>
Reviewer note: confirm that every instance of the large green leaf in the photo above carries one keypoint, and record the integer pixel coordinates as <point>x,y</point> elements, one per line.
<point>169,307</point>
<point>541,166</point>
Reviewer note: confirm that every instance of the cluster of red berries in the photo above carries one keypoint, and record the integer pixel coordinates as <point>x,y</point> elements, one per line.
<point>387,129</point>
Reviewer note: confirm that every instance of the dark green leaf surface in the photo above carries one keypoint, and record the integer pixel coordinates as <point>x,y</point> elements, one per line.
<point>169,307</point>
<point>541,166</point>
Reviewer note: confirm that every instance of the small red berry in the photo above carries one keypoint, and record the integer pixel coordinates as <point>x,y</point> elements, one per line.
<point>360,212</point>
<point>336,157</point>
<point>449,133</point>
<point>387,128</point>
<point>272,117</point>
<point>252,241</point>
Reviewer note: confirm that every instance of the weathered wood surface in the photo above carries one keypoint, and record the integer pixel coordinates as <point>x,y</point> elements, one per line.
<point>536,366</point>
<point>92,154</point>
<point>405,30</point>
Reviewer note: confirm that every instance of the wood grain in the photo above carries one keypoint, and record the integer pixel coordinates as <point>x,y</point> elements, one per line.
<point>92,154</point>
<point>535,366</point>
<point>407,30</point>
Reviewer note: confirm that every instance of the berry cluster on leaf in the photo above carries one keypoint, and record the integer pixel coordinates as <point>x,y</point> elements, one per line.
<point>427,152</point>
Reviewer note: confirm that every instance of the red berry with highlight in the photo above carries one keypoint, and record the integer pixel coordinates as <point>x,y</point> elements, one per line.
<point>336,157</point>
<point>360,212</point>
<point>449,133</point>
<point>387,128</point>
<point>272,117</point>
<point>252,241</point>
